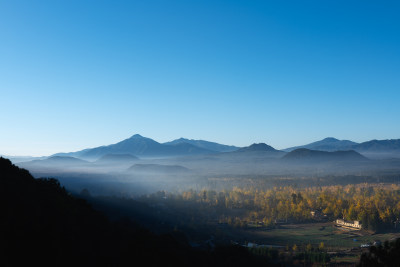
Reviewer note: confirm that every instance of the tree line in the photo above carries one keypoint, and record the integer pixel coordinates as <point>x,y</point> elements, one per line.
<point>376,206</point>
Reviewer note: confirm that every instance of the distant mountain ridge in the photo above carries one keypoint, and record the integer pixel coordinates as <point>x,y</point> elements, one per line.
<point>56,161</point>
<point>259,151</point>
<point>374,147</point>
<point>327,144</point>
<point>258,147</point>
<point>144,147</point>
<point>204,144</point>
<point>138,145</point>
<point>64,159</point>
<point>379,145</point>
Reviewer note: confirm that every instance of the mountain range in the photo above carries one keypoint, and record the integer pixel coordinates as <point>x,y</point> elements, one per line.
<point>374,148</point>
<point>327,144</point>
<point>212,146</point>
<point>144,147</point>
<point>140,146</point>
<point>142,160</point>
<point>58,161</point>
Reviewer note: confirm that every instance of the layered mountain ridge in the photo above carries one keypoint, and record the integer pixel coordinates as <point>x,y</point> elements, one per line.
<point>144,147</point>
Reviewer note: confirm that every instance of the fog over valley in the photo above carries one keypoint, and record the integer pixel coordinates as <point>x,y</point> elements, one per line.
<point>140,165</point>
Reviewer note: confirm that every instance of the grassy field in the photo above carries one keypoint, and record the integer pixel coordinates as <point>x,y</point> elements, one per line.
<point>334,238</point>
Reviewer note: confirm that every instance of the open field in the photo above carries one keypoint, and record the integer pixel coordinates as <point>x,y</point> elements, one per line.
<point>342,245</point>
<point>334,239</point>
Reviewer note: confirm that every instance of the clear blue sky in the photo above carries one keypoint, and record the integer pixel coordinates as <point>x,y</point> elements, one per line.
<point>78,74</point>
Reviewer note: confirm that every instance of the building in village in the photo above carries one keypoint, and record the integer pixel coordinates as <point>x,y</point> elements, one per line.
<point>354,225</point>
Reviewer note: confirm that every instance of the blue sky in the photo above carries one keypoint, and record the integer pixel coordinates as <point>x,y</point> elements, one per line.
<point>78,74</point>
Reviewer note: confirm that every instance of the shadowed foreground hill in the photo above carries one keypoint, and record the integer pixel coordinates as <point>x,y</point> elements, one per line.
<point>42,225</point>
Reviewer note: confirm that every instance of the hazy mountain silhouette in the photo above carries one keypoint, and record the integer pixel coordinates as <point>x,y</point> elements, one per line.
<point>379,146</point>
<point>373,148</point>
<point>327,144</point>
<point>116,158</point>
<point>138,145</point>
<point>144,147</point>
<point>255,153</point>
<point>17,159</point>
<point>65,159</point>
<point>204,144</point>
<point>157,168</point>
<point>309,156</point>
<point>258,147</point>
<point>56,161</point>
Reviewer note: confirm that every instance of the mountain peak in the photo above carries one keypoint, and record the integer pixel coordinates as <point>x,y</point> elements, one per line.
<point>258,147</point>
<point>136,136</point>
<point>327,144</point>
<point>330,139</point>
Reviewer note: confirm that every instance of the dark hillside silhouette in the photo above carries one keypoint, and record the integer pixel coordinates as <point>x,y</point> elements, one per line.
<point>43,225</point>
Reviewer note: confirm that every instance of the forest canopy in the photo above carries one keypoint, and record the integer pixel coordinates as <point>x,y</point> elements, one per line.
<point>376,206</point>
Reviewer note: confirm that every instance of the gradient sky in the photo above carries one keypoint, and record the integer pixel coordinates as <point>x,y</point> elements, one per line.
<point>78,74</point>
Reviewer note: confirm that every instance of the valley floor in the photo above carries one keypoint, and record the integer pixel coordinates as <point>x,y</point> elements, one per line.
<point>343,246</point>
